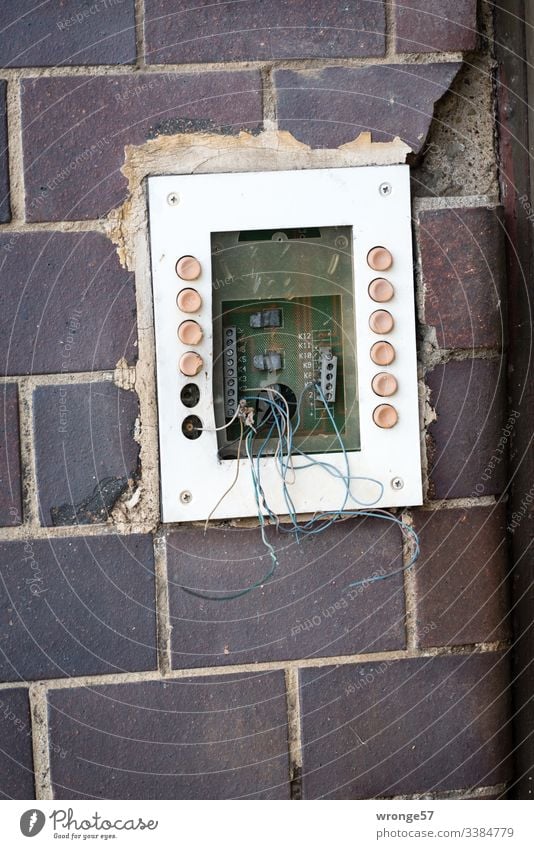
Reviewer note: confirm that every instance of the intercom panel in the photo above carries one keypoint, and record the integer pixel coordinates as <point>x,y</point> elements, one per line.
<point>285,342</point>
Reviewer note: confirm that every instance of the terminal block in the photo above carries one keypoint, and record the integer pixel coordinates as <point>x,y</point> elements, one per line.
<point>230,371</point>
<point>328,374</point>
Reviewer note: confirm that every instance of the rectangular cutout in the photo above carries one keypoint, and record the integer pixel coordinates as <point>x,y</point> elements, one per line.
<point>283,304</point>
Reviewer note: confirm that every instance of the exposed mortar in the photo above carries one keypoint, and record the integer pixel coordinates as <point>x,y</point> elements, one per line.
<point>16,176</point>
<point>17,74</point>
<point>266,666</point>
<point>163,616</point>
<point>294,732</point>
<point>408,551</point>
<point>467,793</point>
<point>30,509</point>
<point>391,29</point>
<point>40,741</point>
<point>459,156</point>
<point>140,32</point>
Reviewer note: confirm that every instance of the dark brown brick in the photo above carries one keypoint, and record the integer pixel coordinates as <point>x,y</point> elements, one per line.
<point>461,576</point>
<point>305,610</point>
<point>467,444</point>
<point>200,738</point>
<point>10,479</point>
<point>462,254</point>
<point>85,450</point>
<point>16,759</point>
<point>407,726</point>
<point>207,32</point>
<point>329,107</point>
<point>5,207</point>
<point>425,26</point>
<point>76,606</point>
<point>67,32</point>
<point>75,130</point>
<point>66,305</point>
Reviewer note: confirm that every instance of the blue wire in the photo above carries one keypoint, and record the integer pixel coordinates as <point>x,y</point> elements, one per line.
<point>308,528</point>
<point>328,518</point>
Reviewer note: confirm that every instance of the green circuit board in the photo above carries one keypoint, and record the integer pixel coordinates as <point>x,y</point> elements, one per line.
<point>283,317</point>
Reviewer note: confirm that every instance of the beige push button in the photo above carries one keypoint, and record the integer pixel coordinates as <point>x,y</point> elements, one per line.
<point>384,384</point>
<point>190,333</point>
<point>190,363</point>
<point>188,268</point>
<point>385,416</point>
<point>381,321</point>
<point>382,353</point>
<point>381,290</point>
<point>189,300</point>
<point>379,259</point>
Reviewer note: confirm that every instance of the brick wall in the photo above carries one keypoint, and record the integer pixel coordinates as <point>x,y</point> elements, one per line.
<point>303,688</point>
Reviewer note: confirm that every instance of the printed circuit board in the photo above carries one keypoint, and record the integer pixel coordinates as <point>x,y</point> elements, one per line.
<point>283,315</point>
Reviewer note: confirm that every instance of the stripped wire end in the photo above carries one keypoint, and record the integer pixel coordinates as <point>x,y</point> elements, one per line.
<point>245,414</point>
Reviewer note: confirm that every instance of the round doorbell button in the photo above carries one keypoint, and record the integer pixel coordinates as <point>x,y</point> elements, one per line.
<point>189,300</point>
<point>381,321</point>
<point>379,259</point>
<point>382,353</point>
<point>385,416</point>
<point>188,268</point>
<point>384,384</point>
<point>381,290</point>
<point>190,333</point>
<point>191,363</point>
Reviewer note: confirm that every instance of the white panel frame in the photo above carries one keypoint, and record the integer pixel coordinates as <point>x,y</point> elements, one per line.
<point>192,477</point>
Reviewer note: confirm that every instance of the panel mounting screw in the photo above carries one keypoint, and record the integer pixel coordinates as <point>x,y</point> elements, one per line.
<point>385,189</point>
<point>173,199</point>
<point>397,483</point>
<point>186,497</point>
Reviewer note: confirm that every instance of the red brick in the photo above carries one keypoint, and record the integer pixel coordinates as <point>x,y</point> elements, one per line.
<point>426,26</point>
<point>16,760</point>
<point>253,29</point>
<point>460,577</point>
<point>462,255</point>
<point>66,304</point>
<point>407,726</point>
<point>5,208</point>
<point>194,738</point>
<point>468,443</point>
<point>76,606</point>
<point>85,450</point>
<point>67,32</point>
<point>74,130</point>
<point>305,610</point>
<point>10,476</point>
<point>332,106</point>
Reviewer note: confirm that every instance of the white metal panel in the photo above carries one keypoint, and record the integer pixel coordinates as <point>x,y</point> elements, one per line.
<point>279,200</point>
